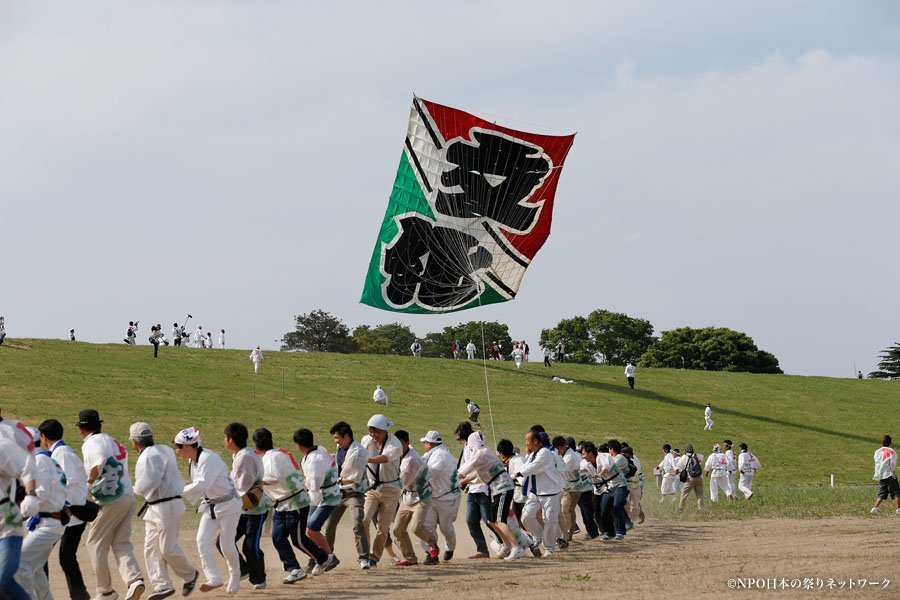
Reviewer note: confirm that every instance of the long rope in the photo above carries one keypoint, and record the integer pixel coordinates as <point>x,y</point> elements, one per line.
<point>486,386</point>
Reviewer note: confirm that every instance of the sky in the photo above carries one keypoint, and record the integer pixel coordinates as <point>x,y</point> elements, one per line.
<point>735,165</point>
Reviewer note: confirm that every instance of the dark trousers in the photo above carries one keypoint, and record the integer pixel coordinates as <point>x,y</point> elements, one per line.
<point>604,518</point>
<point>631,382</point>
<point>478,508</point>
<point>155,349</point>
<point>68,560</point>
<point>285,531</point>
<point>177,341</point>
<point>613,509</point>
<point>547,361</point>
<point>311,548</point>
<point>517,509</point>
<point>250,554</point>
<point>586,504</point>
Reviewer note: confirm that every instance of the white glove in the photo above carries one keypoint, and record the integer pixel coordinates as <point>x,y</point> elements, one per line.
<point>30,507</point>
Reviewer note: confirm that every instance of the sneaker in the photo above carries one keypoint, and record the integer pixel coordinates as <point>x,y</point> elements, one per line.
<point>334,563</point>
<point>259,586</point>
<point>606,538</point>
<point>208,587</point>
<point>294,576</point>
<point>517,553</point>
<point>372,563</point>
<point>405,563</point>
<point>188,586</point>
<point>480,555</point>
<point>750,496</point>
<point>433,551</point>
<point>111,595</point>
<point>577,530</point>
<point>619,536</point>
<point>135,590</point>
<point>535,550</point>
<point>364,564</point>
<point>875,511</point>
<point>628,525</point>
<point>395,560</point>
<point>547,553</point>
<point>329,564</point>
<point>310,565</point>
<point>504,551</point>
<point>562,543</point>
<point>496,547</point>
<point>160,594</point>
<point>448,554</point>
<point>897,512</point>
<point>432,560</point>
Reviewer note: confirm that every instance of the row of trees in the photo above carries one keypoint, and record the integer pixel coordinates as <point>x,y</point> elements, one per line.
<point>603,337</point>
<point>889,367</point>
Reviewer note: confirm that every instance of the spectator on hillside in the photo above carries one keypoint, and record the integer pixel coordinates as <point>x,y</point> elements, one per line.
<point>561,352</point>
<point>707,414</point>
<point>71,335</point>
<point>416,349</point>
<point>474,412</point>
<point>379,396</point>
<point>222,339</point>
<point>2,330</point>
<point>256,357</point>
<point>629,374</point>
<point>455,348</point>
<point>547,354</point>
<point>470,350</point>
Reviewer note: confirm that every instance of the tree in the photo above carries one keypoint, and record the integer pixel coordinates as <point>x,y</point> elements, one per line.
<point>318,331</point>
<point>889,367</point>
<point>618,338</point>
<point>391,338</point>
<point>574,335</point>
<point>437,344</point>
<point>709,349</point>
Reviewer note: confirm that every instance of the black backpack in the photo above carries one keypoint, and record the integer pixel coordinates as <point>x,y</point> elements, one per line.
<point>693,468</point>
<point>631,470</point>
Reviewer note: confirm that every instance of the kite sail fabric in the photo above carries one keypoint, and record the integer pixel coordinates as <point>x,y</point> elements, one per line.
<point>471,206</point>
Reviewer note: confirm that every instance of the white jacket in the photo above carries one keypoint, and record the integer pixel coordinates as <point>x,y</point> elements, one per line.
<point>748,462</point>
<point>717,464</point>
<point>542,474</point>
<point>76,480</point>
<point>442,472</point>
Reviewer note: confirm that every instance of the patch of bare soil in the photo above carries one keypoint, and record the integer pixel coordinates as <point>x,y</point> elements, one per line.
<point>658,559</point>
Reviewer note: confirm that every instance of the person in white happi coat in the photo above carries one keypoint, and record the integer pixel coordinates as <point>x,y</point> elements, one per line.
<point>220,509</point>
<point>716,468</point>
<point>379,396</point>
<point>748,464</point>
<point>106,466</point>
<point>446,493</point>
<point>383,470</point>
<point>484,465</point>
<point>222,339</point>
<point>470,350</point>
<point>16,465</point>
<point>414,501</point>
<point>76,495</point>
<point>727,446</point>
<point>667,466</point>
<point>416,349</point>
<point>635,487</point>
<point>542,488</point>
<point>45,528</point>
<point>198,337</point>
<point>351,459</point>
<point>256,357</point>
<point>158,480</point>
<point>518,354</point>
<point>571,463</point>
<point>707,415</point>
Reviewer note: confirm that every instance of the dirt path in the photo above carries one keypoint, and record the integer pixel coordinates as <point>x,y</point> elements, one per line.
<point>658,559</point>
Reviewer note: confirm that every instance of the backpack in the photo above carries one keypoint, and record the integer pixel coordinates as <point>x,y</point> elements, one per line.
<point>693,468</point>
<point>631,470</point>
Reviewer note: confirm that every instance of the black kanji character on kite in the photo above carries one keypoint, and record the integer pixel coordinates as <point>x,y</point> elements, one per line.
<point>433,265</point>
<point>495,175</point>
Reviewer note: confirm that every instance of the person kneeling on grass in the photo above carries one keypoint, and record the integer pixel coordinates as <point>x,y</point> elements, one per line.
<point>484,465</point>
<point>324,489</point>
<point>885,474</point>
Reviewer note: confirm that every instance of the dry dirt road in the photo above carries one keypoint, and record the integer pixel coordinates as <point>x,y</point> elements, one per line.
<point>659,559</point>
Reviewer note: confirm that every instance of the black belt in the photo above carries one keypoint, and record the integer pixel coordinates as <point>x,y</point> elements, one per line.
<point>148,503</point>
<point>280,500</point>
<point>379,482</point>
<point>4,501</point>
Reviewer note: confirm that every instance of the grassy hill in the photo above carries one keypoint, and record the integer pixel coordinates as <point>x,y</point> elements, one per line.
<point>802,428</point>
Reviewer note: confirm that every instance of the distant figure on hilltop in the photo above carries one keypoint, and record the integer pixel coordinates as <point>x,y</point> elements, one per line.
<point>561,352</point>
<point>256,357</point>
<point>71,335</point>
<point>886,475</point>
<point>177,334</point>
<point>474,412</point>
<point>131,333</point>
<point>859,375</point>
<point>416,349</point>
<point>707,414</point>
<point>456,348</point>
<point>379,396</point>
<point>209,340</point>
<point>198,337</point>
<point>2,330</point>
<point>547,354</point>
<point>470,350</point>
<point>629,374</point>
<point>222,339</point>
<point>518,353</point>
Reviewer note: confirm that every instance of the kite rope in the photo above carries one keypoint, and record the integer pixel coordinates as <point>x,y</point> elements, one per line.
<point>486,386</point>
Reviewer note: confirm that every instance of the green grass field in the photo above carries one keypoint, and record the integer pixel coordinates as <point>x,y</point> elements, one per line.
<point>802,428</point>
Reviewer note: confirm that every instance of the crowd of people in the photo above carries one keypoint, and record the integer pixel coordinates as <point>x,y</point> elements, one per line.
<point>678,474</point>
<point>391,492</point>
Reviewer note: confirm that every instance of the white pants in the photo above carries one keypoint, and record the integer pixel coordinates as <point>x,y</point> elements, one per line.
<point>548,506</point>
<point>668,484</point>
<point>225,525</point>
<point>35,551</point>
<point>256,366</point>
<point>518,362</point>
<point>716,483</point>
<point>162,523</point>
<point>471,354</point>
<point>709,424</point>
<point>746,483</point>
<point>731,485</point>
<point>442,512</point>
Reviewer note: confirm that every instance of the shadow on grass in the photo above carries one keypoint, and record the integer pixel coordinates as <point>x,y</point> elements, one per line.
<point>698,406</point>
